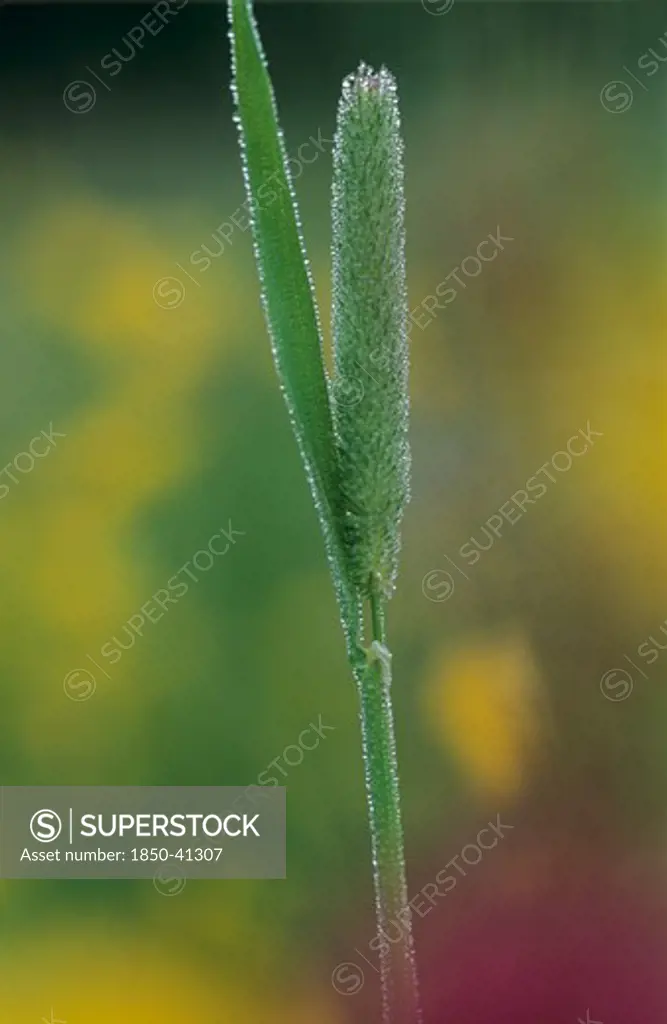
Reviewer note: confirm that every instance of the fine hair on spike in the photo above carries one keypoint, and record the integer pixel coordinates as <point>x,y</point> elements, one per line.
<point>369,325</point>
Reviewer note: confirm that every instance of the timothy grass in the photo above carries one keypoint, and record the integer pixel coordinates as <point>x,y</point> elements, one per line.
<point>352,436</point>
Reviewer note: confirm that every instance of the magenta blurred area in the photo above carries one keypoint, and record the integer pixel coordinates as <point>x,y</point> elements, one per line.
<point>550,942</point>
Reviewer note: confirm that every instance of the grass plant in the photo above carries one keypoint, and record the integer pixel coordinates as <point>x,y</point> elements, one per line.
<point>352,428</point>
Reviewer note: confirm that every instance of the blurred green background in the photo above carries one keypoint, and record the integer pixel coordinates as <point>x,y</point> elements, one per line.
<point>537,119</point>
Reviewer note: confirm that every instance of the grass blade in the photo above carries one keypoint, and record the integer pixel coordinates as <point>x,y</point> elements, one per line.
<point>287,292</point>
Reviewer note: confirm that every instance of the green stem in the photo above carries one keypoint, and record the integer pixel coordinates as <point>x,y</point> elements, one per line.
<point>398,975</point>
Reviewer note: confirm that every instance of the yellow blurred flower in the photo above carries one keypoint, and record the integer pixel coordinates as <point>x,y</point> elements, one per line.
<point>122,978</point>
<point>481,700</point>
<point>87,269</point>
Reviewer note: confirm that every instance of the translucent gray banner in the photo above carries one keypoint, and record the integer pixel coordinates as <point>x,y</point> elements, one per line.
<point>167,832</point>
